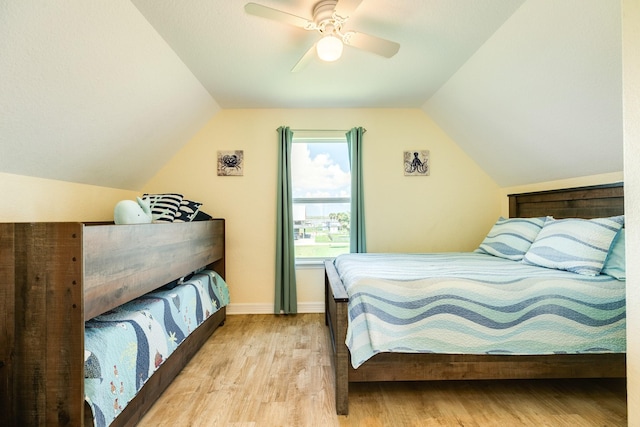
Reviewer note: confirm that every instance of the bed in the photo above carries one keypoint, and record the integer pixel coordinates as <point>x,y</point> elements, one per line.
<point>584,202</point>
<point>58,276</point>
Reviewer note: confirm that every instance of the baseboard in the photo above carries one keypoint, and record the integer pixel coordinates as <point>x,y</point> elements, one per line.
<point>263,308</point>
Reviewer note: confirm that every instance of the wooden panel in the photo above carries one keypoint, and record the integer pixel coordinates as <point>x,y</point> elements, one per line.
<point>336,306</point>
<point>48,386</point>
<point>338,291</point>
<point>7,324</point>
<point>580,202</point>
<point>421,367</point>
<point>219,247</point>
<point>121,261</point>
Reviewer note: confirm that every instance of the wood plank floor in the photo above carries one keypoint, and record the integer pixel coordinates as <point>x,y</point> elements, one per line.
<point>265,370</point>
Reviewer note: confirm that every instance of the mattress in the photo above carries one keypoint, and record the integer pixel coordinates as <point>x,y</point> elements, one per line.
<point>472,303</point>
<point>125,346</point>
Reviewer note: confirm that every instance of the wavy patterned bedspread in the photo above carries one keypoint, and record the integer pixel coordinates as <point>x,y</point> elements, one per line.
<point>123,347</point>
<point>470,303</point>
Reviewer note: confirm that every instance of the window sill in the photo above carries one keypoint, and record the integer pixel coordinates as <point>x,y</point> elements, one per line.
<point>311,263</point>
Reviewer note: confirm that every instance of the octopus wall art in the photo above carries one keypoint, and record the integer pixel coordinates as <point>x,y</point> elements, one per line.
<point>416,163</point>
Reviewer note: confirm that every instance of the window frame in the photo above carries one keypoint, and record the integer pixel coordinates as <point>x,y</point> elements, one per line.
<point>311,137</point>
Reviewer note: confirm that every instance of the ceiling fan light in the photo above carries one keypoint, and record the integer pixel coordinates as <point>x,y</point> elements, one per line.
<point>329,48</point>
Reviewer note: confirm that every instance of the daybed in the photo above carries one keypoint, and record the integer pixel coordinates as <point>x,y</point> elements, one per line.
<point>396,365</point>
<point>56,276</point>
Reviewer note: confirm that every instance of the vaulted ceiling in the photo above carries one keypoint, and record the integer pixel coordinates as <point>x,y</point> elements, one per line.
<point>105,93</point>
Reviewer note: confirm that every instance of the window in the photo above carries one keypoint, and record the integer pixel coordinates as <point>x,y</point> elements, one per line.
<point>321,185</point>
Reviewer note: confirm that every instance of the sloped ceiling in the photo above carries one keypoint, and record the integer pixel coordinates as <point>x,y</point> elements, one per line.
<point>105,93</point>
<point>541,100</point>
<point>90,93</point>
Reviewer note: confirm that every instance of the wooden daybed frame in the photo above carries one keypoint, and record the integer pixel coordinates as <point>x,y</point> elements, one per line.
<point>582,202</point>
<point>57,275</point>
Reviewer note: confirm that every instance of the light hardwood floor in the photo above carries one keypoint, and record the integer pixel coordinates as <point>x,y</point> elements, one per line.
<point>265,370</point>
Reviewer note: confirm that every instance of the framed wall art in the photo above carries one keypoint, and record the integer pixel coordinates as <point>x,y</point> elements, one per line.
<point>231,163</point>
<point>416,163</point>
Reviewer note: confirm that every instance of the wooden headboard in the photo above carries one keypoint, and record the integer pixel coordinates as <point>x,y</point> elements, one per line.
<point>596,201</point>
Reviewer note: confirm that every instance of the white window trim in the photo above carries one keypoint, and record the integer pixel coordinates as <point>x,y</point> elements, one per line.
<point>311,136</point>
<point>311,263</point>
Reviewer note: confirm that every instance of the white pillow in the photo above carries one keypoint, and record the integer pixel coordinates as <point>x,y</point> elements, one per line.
<point>577,245</point>
<point>511,238</point>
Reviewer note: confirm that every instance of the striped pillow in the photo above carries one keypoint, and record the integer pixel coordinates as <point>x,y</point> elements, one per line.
<point>163,206</point>
<point>187,211</point>
<point>577,245</point>
<point>511,238</point>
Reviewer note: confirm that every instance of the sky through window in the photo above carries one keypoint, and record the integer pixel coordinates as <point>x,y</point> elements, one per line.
<point>320,169</point>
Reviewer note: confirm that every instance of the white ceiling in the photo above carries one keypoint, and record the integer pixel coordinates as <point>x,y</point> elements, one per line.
<point>244,61</point>
<point>106,93</point>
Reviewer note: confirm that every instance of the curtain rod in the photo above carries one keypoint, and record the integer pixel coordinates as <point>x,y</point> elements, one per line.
<point>322,130</point>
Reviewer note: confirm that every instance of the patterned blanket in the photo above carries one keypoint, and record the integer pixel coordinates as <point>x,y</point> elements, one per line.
<point>125,346</point>
<point>470,303</point>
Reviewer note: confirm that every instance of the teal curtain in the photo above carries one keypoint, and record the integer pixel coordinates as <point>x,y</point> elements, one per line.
<point>357,236</point>
<point>286,298</point>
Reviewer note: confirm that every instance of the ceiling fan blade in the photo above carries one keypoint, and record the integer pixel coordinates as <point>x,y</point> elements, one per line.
<point>372,44</point>
<point>278,15</point>
<point>344,8</point>
<point>306,58</point>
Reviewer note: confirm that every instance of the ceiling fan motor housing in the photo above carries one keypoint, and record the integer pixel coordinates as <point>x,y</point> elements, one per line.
<point>327,22</point>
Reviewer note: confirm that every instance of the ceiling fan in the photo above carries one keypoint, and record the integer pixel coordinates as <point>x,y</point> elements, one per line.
<point>329,18</point>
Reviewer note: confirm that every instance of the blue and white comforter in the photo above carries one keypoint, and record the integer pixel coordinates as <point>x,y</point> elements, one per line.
<point>125,346</point>
<point>471,303</point>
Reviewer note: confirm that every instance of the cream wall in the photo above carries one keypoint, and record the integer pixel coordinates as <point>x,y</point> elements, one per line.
<point>631,120</point>
<point>450,210</point>
<point>26,199</point>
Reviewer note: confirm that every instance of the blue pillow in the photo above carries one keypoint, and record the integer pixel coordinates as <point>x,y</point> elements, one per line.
<point>511,238</point>
<point>614,265</point>
<point>577,245</point>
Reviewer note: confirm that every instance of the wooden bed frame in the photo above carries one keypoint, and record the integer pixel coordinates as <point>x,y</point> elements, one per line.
<point>57,275</point>
<point>582,202</point>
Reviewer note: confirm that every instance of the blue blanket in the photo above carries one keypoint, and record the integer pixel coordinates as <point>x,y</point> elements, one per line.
<point>470,303</point>
<point>125,346</point>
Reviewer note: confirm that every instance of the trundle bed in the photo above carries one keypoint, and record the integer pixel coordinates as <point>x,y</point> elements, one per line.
<point>584,202</point>
<point>57,276</point>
